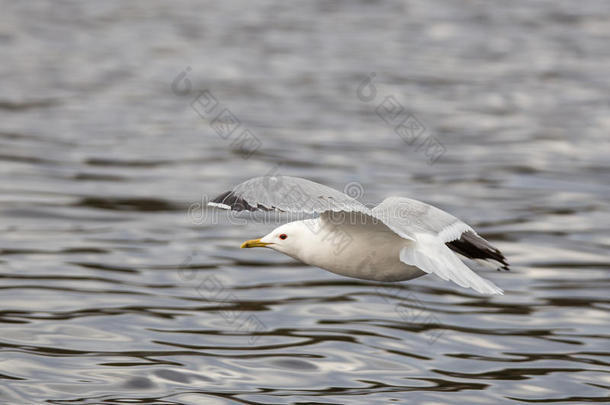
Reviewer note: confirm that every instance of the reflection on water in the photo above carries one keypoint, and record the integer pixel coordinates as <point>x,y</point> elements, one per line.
<point>112,293</point>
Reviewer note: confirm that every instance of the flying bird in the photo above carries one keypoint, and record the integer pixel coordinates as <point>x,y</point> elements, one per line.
<point>399,239</point>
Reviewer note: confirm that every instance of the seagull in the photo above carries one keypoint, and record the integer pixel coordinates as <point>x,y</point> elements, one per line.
<point>399,239</point>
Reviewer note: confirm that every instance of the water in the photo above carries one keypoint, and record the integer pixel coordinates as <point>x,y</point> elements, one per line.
<point>114,291</point>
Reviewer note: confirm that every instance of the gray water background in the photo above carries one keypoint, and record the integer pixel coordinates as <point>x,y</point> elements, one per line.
<point>116,286</point>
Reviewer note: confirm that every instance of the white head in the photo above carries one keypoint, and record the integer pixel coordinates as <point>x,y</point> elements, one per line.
<point>288,239</point>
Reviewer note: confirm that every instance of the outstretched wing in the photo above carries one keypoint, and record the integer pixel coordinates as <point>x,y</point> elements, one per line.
<point>286,194</point>
<point>433,256</point>
<point>437,235</point>
<point>409,217</point>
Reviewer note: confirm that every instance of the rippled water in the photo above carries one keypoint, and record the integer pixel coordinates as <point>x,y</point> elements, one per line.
<point>113,291</point>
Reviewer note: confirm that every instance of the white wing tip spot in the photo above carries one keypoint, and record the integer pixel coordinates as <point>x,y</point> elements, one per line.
<point>219,205</point>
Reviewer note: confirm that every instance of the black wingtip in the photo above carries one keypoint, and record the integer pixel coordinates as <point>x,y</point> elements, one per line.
<point>234,203</point>
<point>504,267</point>
<point>228,200</point>
<point>473,246</point>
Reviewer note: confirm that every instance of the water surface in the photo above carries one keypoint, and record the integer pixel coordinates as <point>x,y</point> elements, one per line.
<point>113,291</point>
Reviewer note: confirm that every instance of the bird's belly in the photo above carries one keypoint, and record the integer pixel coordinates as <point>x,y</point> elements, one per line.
<point>377,269</point>
<point>369,257</point>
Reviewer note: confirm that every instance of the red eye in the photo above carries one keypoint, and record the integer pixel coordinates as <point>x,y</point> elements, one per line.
<point>283,236</point>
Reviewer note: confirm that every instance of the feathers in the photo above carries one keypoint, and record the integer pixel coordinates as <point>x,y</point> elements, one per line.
<point>286,194</point>
<point>473,247</point>
<point>431,237</point>
<point>433,256</point>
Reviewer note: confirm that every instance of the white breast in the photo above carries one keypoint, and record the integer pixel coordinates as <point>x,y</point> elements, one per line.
<point>357,247</point>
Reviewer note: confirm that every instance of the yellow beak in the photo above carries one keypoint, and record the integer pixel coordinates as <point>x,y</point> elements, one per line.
<point>254,243</point>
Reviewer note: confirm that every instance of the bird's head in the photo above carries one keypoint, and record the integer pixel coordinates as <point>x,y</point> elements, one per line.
<point>287,238</point>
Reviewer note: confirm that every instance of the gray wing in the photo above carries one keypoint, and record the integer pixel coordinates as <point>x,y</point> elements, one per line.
<point>286,194</point>
<point>432,231</point>
<point>410,217</point>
